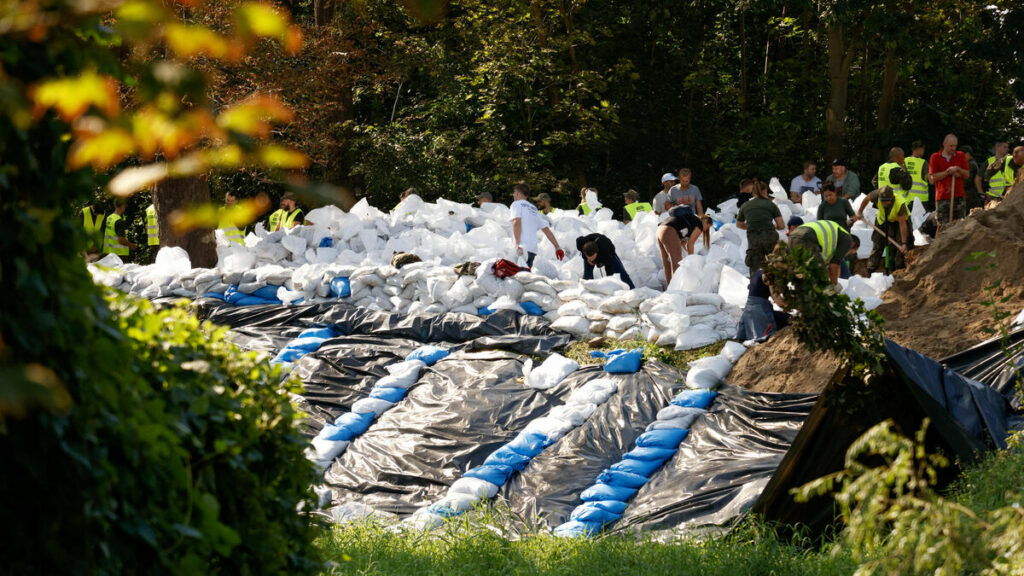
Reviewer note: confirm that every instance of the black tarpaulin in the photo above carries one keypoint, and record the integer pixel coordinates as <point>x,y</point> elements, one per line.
<point>994,366</point>
<point>461,409</point>
<point>547,490</point>
<point>912,389</point>
<point>723,464</point>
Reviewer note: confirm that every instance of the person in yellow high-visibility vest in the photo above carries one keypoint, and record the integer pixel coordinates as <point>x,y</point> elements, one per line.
<point>115,237</point>
<point>584,208</point>
<point>633,205</point>
<point>823,238</point>
<point>997,179</point>
<point>892,219</point>
<point>1009,168</point>
<point>226,225</point>
<point>917,165</point>
<point>152,229</point>
<point>894,174</point>
<point>92,222</point>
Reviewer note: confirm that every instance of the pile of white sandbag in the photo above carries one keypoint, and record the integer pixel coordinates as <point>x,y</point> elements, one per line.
<point>701,305</point>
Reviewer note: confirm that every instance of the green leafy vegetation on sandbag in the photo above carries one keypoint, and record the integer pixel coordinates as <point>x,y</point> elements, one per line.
<point>180,455</point>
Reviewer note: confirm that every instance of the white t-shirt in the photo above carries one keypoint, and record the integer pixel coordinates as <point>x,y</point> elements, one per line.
<point>531,222</point>
<point>800,185</point>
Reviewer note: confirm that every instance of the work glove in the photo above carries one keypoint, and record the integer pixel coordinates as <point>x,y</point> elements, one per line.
<point>560,254</point>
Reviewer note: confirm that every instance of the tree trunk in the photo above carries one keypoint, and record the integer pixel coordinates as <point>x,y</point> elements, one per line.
<point>323,12</point>
<point>542,41</point>
<point>889,79</point>
<point>177,194</point>
<point>839,58</point>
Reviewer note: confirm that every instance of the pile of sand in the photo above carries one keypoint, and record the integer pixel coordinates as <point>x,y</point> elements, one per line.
<point>783,364</point>
<point>935,306</point>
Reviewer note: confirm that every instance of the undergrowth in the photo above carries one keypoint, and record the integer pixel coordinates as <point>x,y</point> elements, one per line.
<point>678,359</point>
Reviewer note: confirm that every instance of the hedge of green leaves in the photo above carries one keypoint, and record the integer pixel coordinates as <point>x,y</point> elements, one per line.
<point>180,454</point>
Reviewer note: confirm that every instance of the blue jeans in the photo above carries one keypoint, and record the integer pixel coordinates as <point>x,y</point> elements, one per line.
<point>615,268</point>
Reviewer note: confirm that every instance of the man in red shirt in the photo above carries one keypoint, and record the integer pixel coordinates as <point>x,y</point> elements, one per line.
<point>947,170</point>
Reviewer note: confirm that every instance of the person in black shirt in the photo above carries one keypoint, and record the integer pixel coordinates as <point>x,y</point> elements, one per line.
<point>598,250</point>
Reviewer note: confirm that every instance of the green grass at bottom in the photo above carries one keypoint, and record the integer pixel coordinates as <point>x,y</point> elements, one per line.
<point>371,549</point>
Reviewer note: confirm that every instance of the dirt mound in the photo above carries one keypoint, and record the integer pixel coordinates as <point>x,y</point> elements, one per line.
<point>935,306</point>
<point>783,365</point>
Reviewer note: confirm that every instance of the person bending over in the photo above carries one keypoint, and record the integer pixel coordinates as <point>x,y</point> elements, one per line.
<point>598,250</point>
<point>681,223</point>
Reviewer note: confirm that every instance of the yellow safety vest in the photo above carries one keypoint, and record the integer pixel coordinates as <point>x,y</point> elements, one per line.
<point>276,218</point>
<point>635,207</point>
<point>919,190</point>
<point>152,232</point>
<point>894,214</point>
<point>289,220</point>
<point>584,208</point>
<point>231,232</point>
<point>883,178</point>
<point>93,230</point>
<point>827,232</point>
<point>1001,180</point>
<point>111,245</point>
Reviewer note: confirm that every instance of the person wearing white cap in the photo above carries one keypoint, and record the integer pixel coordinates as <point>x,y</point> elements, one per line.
<point>661,203</point>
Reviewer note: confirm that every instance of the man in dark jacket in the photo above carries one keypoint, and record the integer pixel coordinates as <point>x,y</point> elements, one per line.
<point>598,250</point>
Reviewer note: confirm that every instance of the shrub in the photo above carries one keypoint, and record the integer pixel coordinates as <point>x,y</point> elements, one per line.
<point>180,454</point>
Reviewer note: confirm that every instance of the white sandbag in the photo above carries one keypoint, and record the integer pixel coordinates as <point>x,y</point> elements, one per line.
<point>548,426</point>
<point>573,308</point>
<point>552,371</point>
<point>572,324</point>
<point>294,243</point>
<point>667,338</point>
<point>733,287</point>
<point>622,323</point>
<point>700,310</point>
<point>328,450</point>
<point>459,503</point>
<point>593,392</point>
<point>616,305</point>
<point>696,336</point>
<point>576,413</point>
<point>733,351</point>
<point>701,378</point>
<point>421,519</point>
<point>704,299</point>
<point>609,285</point>
<point>673,412</point>
<point>374,406</point>
<point>718,364</point>
<point>674,424</point>
<point>474,487</point>
<point>631,333</point>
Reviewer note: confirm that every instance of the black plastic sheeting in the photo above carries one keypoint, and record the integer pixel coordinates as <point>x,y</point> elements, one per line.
<point>980,410</point>
<point>546,491</point>
<point>461,409</point>
<point>993,366</point>
<point>723,465</point>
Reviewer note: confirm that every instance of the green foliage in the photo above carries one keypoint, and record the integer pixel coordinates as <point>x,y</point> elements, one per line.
<point>897,524</point>
<point>679,359</point>
<point>827,320</point>
<point>483,548</point>
<point>181,455</point>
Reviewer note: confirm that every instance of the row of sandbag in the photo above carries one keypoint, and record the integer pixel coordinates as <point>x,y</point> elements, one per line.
<point>483,482</point>
<point>606,500</point>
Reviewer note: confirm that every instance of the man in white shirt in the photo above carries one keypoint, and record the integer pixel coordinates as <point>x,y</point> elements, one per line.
<point>661,202</point>
<point>806,182</point>
<point>526,221</point>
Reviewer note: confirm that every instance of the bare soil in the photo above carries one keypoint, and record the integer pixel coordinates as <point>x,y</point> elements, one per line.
<point>783,365</point>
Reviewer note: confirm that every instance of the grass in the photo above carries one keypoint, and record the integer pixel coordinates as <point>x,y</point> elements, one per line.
<point>994,481</point>
<point>580,352</point>
<point>476,550</point>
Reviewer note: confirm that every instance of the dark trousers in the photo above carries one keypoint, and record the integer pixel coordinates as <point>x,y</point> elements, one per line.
<point>613,267</point>
<point>876,262</point>
<point>529,259</point>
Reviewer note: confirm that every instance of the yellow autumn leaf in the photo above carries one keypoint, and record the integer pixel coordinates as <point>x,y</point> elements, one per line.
<point>137,18</point>
<point>230,156</point>
<point>255,115</point>
<point>188,41</point>
<point>102,150</point>
<point>274,156</point>
<point>244,212</point>
<point>196,216</point>
<point>72,97</point>
<point>262,20</point>
<point>131,180</point>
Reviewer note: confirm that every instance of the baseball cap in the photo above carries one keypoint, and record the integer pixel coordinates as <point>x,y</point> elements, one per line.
<point>886,194</point>
<point>631,195</point>
<point>839,162</point>
<point>668,177</point>
<point>967,150</point>
<point>795,221</point>
<point>288,196</point>
<point>485,196</point>
<point>542,196</point>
